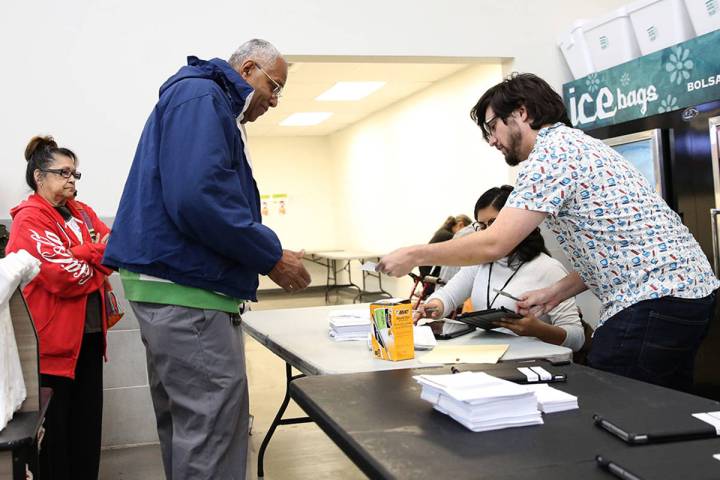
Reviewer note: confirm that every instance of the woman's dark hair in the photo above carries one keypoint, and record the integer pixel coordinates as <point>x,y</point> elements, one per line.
<point>543,104</point>
<point>528,249</point>
<point>464,219</point>
<point>448,224</point>
<point>39,156</point>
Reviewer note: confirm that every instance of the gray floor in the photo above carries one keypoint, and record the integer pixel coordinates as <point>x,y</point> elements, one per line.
<point>295,452</point>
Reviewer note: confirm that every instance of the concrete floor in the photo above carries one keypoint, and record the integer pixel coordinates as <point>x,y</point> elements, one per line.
<point>295,452</point>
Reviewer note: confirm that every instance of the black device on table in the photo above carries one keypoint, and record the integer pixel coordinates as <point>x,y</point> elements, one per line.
<point>655,426</point>
<point>437,329</point>
<point>486,318</point>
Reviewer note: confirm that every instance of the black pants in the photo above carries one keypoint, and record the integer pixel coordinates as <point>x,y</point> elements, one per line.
<point>654,340</point>
<point>73,423</point>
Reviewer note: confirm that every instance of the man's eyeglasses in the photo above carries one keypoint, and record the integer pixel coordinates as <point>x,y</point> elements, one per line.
<point>63,172</point>
<point>277,91</point>
<point>490,125</point>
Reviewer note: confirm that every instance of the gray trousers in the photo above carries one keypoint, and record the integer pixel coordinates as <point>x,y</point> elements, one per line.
<point>196,370</point>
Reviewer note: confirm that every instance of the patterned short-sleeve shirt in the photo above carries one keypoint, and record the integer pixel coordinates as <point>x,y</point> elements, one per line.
<point>623,240</point>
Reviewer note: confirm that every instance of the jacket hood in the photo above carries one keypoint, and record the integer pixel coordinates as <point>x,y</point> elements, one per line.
<point>37,202</point>
<point>238,90</point>
<point>33,201</point>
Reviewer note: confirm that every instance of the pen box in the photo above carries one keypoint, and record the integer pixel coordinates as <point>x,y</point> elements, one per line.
<point>392,329</point>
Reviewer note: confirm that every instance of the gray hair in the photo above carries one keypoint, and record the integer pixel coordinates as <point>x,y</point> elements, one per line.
<point>256,49</point>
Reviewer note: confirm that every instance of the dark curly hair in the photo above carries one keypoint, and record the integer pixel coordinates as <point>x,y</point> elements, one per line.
<point>543,104</point>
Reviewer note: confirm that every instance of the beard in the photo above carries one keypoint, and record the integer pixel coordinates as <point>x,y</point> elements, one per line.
<point>512,155</point>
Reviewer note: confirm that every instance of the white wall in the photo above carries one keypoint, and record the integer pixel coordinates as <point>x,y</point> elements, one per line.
<point>406,168</point>
<point>302,168</point>
<point>88,71</point>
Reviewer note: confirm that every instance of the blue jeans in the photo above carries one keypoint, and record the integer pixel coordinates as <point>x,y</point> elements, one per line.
<point>654,340</point>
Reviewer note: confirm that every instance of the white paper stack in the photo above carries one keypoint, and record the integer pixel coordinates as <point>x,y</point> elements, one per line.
<point>348,325</point>
<point>423,338</point>
<point>551,400</point>
<point>480,401</point>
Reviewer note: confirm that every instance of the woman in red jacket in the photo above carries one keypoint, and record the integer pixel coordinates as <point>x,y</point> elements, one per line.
<point>66,303</point>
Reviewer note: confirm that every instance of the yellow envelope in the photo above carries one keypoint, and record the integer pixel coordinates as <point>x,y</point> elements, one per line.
<point>465,354</point>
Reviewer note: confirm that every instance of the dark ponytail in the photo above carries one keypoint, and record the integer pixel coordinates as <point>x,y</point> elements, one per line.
<point>39,156</point>
<point>495,197</point>
<point>528,249</point>
<point>448,224</point>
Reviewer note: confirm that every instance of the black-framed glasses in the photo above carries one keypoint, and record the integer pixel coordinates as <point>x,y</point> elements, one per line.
<point>277,91</point>
<point>490,125</point>
<point>483,225</point>
<point>63,172</point>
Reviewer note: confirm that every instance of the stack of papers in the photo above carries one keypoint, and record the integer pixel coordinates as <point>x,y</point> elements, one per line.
<point>349,324</point>
<point>551,400</point>
<point>423,338</point>
<point>480,401</point>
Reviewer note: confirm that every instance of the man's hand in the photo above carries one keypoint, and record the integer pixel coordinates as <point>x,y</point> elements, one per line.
<point>290,273</point>
<point>398,263</point>
<point>538,302</point>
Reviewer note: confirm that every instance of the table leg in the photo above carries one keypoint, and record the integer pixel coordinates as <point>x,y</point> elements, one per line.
<point>364,291</point>
<point>332,277</point>
<point>330,265</point>
<point>289,377</point>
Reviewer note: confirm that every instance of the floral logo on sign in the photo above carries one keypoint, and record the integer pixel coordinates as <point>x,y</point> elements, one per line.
<point>593,83</point>
<point>668,104</point>
<point>679,65</point>
<point>625,79</point>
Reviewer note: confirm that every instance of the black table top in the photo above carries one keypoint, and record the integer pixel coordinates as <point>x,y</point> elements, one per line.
<point>24,426</point>
<point>383,425</point>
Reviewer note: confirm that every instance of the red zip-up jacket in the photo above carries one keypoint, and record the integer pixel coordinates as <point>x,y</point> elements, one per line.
<point>70,271</point>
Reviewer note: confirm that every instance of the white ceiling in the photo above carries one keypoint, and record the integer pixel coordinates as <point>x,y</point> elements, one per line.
<point>308,80</point>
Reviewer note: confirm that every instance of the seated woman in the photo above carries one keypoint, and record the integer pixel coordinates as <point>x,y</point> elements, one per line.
<point>451,226</point>
<point>527,267</point>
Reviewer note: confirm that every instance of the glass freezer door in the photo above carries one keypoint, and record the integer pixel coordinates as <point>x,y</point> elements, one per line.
<point>714,124</point>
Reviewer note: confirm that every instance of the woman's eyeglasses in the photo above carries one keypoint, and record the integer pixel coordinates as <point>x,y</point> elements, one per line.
<point>482,225</point>
<point>63,172</point>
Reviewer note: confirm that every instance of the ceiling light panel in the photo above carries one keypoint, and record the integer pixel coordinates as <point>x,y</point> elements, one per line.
<point>304,119</point>
<point>349,91</point>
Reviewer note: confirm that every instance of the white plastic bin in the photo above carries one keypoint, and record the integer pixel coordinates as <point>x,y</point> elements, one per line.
<point>659,24</point>
<point>611,39</point>
<point>575,51</point>
<point>704,14</point>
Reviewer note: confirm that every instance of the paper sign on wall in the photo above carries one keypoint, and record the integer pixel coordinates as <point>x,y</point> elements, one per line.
<point>274,204</point>
<point>280,201</point>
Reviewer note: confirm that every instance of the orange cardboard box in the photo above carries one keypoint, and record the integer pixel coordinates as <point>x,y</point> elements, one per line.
<point>392,329</point>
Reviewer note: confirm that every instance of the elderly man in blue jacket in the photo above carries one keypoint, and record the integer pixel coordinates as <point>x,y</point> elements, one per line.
<point>189,243</point>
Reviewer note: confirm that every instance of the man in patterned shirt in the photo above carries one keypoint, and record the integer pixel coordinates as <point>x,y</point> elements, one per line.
<point>625,244</point>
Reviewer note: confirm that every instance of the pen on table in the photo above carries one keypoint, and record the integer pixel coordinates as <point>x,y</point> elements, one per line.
<point>615,469</point>
<point>612,428</point>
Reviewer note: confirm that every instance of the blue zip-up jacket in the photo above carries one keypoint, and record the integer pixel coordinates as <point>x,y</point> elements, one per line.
<point>190,210</point>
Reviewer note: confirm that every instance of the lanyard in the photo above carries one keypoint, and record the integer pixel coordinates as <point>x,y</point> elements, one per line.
<point>487,297</point>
